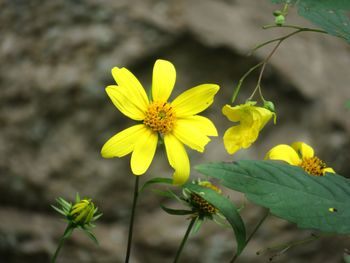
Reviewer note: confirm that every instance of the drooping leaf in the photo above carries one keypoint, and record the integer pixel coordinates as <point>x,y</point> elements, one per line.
<point>316,202</point>
<point>330,15</point>
<point>226,208</point>
<point>156,180</point>
<point>178,212</point>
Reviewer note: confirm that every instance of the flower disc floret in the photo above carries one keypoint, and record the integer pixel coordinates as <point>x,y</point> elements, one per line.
<point>160,117</point>
<point>313,165</point>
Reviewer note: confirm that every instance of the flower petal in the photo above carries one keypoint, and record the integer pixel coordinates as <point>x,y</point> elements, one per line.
<point>144,151</point>
<point>285,153</point>
<point>304,150</point>
<point>126,102</point>
<point>194,100</point>
<point>186,131</point>
<point>131,93</point>
<point>238,137</point>
<point>164,76</point>
<point>123,142</point>
<point>328,170</point>
<point>203,124</point>
<point>262,115</point>
<point>234,114</point>
<point>178,159</point>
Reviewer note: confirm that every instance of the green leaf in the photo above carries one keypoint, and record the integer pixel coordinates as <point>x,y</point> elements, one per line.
<point>331,15</point>
<point>156,180</point>
<point>346,258</point>
<point>226,208</point>
<point>59,210</point>
<point>178,212</point>
<point>317,202</point>
<point>91,236</point>
<point>347,104</point>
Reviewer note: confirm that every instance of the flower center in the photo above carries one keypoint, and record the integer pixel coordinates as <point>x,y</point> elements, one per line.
<point>313,166</point>
<point>202,205</point>
<point>160,117</point>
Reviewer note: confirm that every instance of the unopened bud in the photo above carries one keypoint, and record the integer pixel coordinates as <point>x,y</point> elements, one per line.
<point>279,20</point>
<point>82,212</point>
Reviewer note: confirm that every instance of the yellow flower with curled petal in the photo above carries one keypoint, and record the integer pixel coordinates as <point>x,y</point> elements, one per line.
<point>176,122</point>
<point>299,154</point>
<point>251,120</point>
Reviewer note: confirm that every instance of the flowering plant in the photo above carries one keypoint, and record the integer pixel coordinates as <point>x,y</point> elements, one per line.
<point>291,182</point>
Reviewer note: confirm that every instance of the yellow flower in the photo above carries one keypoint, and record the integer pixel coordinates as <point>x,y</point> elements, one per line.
<point>299,154</point>
<point>251,120</point>
<point>175,122</point>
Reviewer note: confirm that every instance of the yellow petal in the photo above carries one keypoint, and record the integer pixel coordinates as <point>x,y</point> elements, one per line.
<point>203,124</point>
<point>238,137</point>
<point>189,134</point>
<point>285,153</point>
<point>304,150</point>
<point>132,88</point>
<point>164,76</point>
<point>262,115</point>
<point>126,102</point>
<point>232,113</point>
<point>144,151</point>
<point>328,170</point>
<point>123,142</point>
<point>178,159</point>
<point>194,100</point>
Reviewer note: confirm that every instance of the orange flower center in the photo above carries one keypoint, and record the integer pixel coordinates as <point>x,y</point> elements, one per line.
<point>201,205</point>
<point>160,117</point>
<point>313,166</point>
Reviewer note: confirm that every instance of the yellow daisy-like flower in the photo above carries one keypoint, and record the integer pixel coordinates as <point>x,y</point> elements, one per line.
<point>299,154</point>
<point>251,120</point>
<point>176,122</point>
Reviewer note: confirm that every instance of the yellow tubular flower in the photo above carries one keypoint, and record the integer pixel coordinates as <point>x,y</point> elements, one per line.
<point>299,154</point>
<point>176,122</point>
<point>251,120</point>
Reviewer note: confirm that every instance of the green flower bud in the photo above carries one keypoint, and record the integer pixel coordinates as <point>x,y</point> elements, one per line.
<point>82,212</point>
<point>279,20</point>
<point>269,105</point>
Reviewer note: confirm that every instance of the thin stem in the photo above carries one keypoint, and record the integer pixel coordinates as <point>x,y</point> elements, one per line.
<point>131,224</point>
<point>238,87</point>
<point>295,27</point>
<point>285,247</point>
<point>298,30</point>
<point>189,228</point>
<point>60,244</point>
<point>252,234</point>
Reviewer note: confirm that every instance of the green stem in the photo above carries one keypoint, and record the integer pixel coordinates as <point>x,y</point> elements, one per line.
<point>131,224</point>
<point>296,27</point>
<point>178,253</point>
<point>62,240</point>
<point>285,247</point>
<point>252,234</point>
<point>238,87</point>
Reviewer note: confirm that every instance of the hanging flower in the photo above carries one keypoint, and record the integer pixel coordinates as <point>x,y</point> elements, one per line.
<point>176,122</point>
<point>251,121</point>
<point>299,154</point>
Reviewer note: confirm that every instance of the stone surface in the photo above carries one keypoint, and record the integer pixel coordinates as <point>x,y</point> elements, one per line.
<point>55,116</point>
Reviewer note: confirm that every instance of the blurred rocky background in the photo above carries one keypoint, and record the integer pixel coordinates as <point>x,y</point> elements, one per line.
<point>56,58</point>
